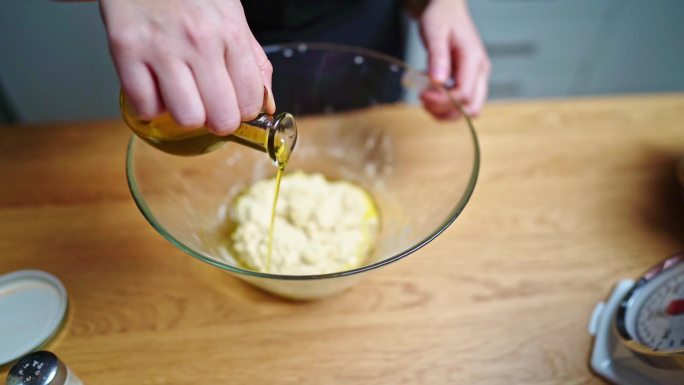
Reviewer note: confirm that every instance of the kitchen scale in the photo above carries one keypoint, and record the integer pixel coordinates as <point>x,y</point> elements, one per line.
<point>639,330</point>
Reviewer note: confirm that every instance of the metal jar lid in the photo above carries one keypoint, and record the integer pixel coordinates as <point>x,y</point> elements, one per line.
<point>38,368</point>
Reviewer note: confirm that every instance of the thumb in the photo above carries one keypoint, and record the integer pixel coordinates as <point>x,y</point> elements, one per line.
<point>436,40</point>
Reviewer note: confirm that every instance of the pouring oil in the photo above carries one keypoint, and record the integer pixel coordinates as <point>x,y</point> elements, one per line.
<point>269,245</point>
<point>274,135</point>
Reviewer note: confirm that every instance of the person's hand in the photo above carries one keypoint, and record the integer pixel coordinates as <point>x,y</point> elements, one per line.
<point>196,59</point>
<point>455,51</point>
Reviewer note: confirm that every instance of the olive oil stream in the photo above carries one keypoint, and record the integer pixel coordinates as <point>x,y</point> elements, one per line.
<point>282,155</point>
<point>269,245</point>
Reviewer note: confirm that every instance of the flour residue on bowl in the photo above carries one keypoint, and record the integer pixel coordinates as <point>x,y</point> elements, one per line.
<point>321,226</point>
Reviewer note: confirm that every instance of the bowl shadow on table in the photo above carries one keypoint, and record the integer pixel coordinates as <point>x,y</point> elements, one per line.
<point>239,290</point>
<point>662,210</point>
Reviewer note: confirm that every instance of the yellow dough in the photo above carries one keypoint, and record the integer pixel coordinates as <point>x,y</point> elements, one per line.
<point>321,226</point>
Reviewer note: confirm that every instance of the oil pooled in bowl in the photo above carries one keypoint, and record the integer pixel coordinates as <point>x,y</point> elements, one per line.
<point>318,225</point>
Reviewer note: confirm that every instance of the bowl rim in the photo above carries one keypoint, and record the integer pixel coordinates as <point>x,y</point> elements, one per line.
<point>456,211</point>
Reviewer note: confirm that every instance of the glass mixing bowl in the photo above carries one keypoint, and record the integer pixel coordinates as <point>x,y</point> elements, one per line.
<point>359,118</point>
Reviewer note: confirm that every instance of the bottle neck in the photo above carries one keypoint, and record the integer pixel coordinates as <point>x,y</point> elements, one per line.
<point>275,135</point>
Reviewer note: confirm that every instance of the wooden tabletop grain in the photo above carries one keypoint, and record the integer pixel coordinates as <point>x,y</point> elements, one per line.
<point>572,196</point>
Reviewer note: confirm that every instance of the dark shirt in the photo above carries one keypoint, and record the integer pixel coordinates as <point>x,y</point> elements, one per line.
<point>374,24</point>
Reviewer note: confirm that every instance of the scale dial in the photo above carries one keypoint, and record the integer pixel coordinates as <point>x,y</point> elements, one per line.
<point>650,319</point>
<point>660,318</point>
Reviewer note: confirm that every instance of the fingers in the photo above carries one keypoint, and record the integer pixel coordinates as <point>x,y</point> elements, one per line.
<point>449,115</point>
<point>455,49</point>
<point>436,39</point>
<point>266,70</point>
<point>471,71</point>
<point>441,105</point>
<point>468,63</point>
<point>198,60</point>
<point>137,79</point>
<point>179,91</point>
<point>480,95</point>
<point>217,93</point>
<point>214,88</point>
<point>245,75</point>
<point>141,89</point>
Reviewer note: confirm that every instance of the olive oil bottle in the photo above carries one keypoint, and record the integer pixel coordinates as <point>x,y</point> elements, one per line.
<point>274,135</point>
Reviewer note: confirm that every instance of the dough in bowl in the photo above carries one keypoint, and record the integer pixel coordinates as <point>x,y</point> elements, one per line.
<point>321,226</point>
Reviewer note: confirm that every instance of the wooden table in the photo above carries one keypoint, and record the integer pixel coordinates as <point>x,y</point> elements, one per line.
<point>573,195</point>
